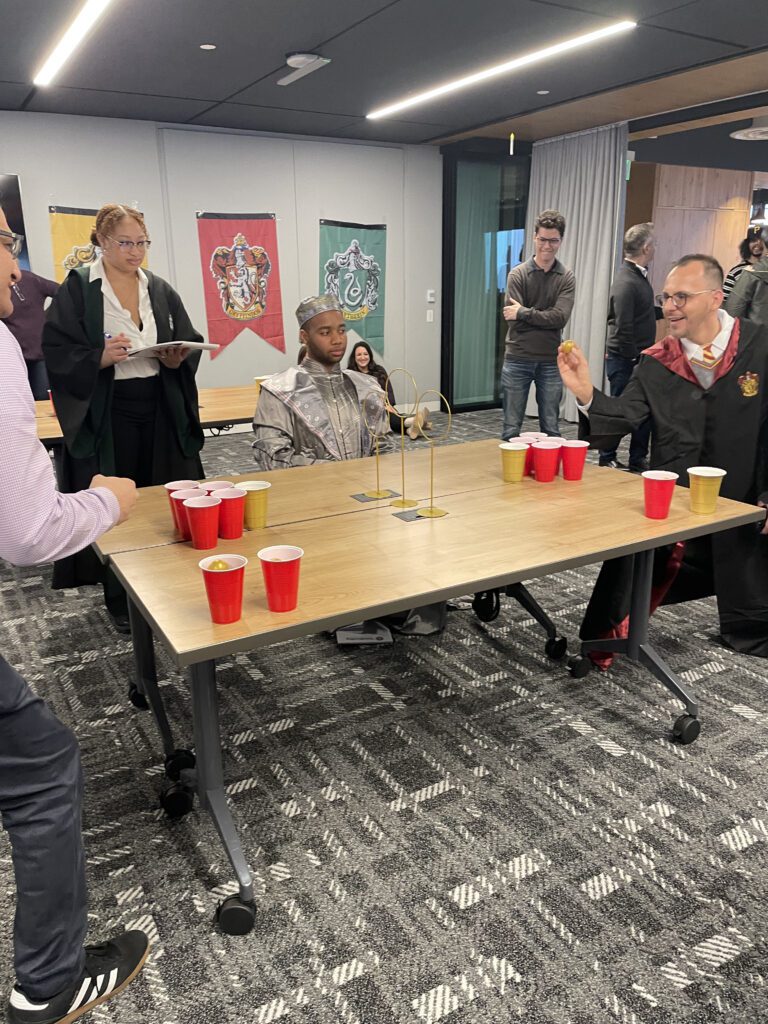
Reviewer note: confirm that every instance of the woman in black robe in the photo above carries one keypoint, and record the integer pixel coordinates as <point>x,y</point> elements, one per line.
<point>135,416</point>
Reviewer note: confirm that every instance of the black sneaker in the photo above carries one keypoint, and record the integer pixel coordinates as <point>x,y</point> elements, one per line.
<point>121,623</point>
<point>642,466</point>
<point>109,968</point>
<point>613,464</point>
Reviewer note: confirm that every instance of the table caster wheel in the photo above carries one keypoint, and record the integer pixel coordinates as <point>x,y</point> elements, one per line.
<point>235,917</point>
<point>177,762</point>
<point>686,729</point>
<point>556,648</point>
<point>487,605</point>
<point>177,800</point>
<point>579,666</point>
<point>137,698</point>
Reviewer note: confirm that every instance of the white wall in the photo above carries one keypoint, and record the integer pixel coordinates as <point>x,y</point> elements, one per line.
<point>171,173</point>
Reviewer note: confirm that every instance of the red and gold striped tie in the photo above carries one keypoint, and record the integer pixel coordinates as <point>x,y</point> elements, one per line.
<point>708,358</point>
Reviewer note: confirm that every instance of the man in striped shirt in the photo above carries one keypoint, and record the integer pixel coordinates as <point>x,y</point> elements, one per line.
<point>57,977</point>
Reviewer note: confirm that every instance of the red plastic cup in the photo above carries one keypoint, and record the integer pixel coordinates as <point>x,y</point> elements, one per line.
<point>178,485</point>
<point>232,512</point>
<point>280,565</point>
<point>224,587</point>
<point>203,516</point>
<point>209,486</point>
<point>529,437</point>
<point>659,487</point>
<point>546,455</point>
<point>177,499</point>
<point>574,456</point>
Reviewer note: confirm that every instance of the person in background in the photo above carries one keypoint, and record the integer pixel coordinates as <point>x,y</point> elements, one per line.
<point>538,304</point>
<point>313,412</point>
<point>361,358</point>
<point>26,324</point>
<point>749,298</point>
<point>751,250</point>
<point>704,390</point>
<point>121,411</point>
<point>57,977</point>
<point>632,316</point>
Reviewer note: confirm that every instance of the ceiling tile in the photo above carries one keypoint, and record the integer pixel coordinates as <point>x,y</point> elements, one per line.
<point>271,119</point>
<point>114,104</point>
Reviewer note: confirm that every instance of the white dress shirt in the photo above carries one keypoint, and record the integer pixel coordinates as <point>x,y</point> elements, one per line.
<point>117,320</point>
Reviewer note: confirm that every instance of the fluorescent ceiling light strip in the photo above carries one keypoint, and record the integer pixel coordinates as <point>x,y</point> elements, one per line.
<point>502,69</point>
<point>72,38</point>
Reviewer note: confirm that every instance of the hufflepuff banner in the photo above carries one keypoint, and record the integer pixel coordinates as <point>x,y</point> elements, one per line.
<point>352,266</point>
<point>241,277</point>
<point>71,238</point>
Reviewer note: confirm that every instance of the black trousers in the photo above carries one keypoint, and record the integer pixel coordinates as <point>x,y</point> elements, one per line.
<point>40,806</point>
<point>619,370</point>
<point>38,378</point>
<point>134,414</point>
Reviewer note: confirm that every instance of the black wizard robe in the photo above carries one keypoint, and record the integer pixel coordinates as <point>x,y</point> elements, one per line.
<point>73,342</point>
<point>726,426</point>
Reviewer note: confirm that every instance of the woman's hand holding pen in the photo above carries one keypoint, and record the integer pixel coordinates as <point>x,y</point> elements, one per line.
<point>115,350</point>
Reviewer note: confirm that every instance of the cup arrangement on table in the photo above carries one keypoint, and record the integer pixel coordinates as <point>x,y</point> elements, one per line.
<point>542,457</point>
<point>704,488</point>
<point>214,510</point>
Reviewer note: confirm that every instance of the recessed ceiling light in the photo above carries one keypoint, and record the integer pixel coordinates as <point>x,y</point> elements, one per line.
<point>501,69</point>
<point>207,46</point>
<point>72,38</point>
<point>542,92</point>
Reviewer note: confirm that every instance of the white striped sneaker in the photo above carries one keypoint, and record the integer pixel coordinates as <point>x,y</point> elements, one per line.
<point>109,967</point>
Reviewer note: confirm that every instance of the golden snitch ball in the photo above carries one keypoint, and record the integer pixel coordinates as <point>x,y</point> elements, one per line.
<point>219,565</point>
<point>567,347</point>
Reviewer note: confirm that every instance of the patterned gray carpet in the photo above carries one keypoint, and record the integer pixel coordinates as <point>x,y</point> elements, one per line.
<point>448,830</point>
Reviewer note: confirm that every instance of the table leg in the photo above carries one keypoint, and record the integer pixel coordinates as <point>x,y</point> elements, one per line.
<point>637,648</point>
<point>145,679</point>
<point>210,775</point>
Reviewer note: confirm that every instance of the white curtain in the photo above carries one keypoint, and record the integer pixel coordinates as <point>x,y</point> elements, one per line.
<point>584,177</point>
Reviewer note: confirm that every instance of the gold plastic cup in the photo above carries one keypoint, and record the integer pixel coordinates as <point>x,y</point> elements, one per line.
<point>705,486</point>
<point>256,492</point>
<point>513,460</point>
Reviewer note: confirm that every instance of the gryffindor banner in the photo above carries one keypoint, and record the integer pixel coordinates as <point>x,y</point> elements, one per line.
<point>241,277</point>
<point>352,267</point>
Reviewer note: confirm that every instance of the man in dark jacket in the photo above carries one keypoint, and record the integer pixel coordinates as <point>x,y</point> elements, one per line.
<point>632,318</point>
<point>705,390</point>
<point>749,298</point>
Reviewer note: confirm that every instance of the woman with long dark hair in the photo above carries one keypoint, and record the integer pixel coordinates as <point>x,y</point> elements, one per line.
<point>361,358</point>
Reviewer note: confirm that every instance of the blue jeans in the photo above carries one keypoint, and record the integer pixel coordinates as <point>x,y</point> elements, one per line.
<point>517,375</point>
<point>619,369</point>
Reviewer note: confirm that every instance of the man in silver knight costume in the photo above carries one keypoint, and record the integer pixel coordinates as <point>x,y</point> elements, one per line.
<point>314,412</point>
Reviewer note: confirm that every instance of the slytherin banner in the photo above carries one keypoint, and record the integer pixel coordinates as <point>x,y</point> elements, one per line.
<point>352,267</point>
<point>241,277</point>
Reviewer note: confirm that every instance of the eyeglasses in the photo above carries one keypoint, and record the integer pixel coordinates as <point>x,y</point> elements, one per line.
<point>126,246</point>
<point>679,299</point>
<point>553,242</point>
<point>17,243</point>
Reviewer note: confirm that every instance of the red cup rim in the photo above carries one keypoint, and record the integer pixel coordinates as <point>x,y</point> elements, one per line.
<point>215,485</point>
<point>242,560</point>
<point>574,444</point>
<point>548,445</point>
<point>264,557</point>
<point>192,492</point>
<point>660,474</point>
<point>230,492</point>
<point>180,485</point>
<point>205,501</point>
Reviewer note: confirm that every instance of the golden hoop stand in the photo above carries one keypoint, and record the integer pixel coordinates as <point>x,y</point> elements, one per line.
<point>404,502</point>
<point>373,399</point>
<point>430,512</point>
